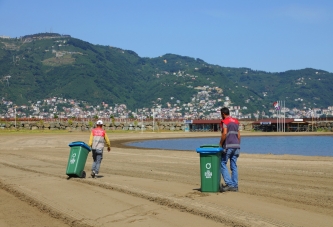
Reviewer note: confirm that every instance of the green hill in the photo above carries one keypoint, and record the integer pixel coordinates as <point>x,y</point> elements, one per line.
<point>44,65</point>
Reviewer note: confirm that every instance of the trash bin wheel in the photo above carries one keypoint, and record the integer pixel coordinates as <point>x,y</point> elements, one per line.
<point>83,174</point>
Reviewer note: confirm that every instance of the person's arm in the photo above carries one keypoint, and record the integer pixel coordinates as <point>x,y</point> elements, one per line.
<point>239,137</point>
<point>223,136</point>
<point>108,144</point>
<point>91,140</point>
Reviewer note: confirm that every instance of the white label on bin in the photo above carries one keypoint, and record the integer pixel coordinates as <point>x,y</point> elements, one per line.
<point>208,174</point>
<point>72,161</point>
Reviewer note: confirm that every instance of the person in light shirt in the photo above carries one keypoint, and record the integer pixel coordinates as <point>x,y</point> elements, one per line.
<point>97,140</point>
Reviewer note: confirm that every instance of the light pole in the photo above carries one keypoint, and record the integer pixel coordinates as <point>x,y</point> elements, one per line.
<point>15,116</point>
<point>142,122</point>
<point>153,121</point>
<point>312,119</point>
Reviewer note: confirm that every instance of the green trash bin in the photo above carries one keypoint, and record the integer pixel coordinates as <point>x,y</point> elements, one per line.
<point>210,170</point>
<point>77,159</point>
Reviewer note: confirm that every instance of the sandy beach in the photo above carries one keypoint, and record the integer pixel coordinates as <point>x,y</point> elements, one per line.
<point>151,187</point>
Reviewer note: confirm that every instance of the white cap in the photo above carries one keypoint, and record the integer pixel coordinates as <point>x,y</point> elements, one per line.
<point>99,122</point>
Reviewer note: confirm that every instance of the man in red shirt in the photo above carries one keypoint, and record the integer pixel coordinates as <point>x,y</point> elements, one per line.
<point>230,141</point>
<point>98,138</point>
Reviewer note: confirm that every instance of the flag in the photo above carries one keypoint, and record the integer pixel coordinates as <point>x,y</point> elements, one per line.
<point>276,105</point>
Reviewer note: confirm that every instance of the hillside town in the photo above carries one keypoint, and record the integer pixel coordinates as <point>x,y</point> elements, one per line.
<point>202,106</point>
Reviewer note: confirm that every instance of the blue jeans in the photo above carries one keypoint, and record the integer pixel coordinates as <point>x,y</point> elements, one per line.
<point>97,156</point>
<point>232,154</point>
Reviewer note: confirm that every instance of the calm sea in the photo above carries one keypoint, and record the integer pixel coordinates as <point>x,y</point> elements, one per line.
<point>294,145</point>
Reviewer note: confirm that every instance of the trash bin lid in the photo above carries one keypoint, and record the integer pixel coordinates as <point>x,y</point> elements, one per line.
<point>210,145</point>
<point>209,149</point>
<point>81,144</point>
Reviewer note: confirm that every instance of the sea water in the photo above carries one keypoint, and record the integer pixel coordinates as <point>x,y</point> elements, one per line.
<point>278,145</point>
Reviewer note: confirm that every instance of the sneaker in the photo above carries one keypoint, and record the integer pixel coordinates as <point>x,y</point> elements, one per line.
<point>228,188</point>
<point>222,186</point>
<point>93,174</point>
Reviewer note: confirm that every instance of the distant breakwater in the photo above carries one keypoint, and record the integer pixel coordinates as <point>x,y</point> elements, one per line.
<point>108,125</point>
<point>72,125</point>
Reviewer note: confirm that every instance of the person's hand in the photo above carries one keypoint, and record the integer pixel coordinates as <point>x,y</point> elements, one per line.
<point>109,149</point>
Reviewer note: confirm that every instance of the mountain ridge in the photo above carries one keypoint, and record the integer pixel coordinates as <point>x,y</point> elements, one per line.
<point>45,65</point>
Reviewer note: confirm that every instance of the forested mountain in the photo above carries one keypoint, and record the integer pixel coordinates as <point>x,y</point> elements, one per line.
<point>44,65</point>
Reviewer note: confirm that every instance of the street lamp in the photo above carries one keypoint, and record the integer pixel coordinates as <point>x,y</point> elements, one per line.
<point>153,121</point>
<point>312,119</point>
<point>142,121</point>
<point>15,116</point>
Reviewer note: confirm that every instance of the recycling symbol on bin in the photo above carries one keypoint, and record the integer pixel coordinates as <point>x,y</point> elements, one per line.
<point>72,161</point>
<point>208,173</point>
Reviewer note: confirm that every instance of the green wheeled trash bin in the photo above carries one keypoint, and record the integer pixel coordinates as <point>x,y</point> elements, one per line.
<point>77,159</point>
<point>210,170</point>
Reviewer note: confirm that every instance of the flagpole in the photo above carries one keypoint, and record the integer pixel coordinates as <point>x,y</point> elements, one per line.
<point>284,115</point>
<point>280,118</point>
<point>277,107</point>
<point>277,118</point>
<point>279,115</point>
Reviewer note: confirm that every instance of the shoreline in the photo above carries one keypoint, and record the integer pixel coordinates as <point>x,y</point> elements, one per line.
<point>123,143</point>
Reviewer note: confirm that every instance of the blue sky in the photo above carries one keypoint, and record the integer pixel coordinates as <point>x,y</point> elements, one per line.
<point>268,35</point>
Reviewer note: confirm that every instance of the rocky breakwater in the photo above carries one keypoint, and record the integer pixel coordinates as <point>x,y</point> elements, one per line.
<point>323,126</point>
<point>70,125</point>
<point>47,125</point>
<point>88,125</point>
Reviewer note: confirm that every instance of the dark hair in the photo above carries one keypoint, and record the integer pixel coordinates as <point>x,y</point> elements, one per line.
<point>225,110</point>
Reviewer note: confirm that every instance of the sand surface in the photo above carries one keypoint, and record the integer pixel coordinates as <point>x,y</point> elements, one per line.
<point>149,187</point>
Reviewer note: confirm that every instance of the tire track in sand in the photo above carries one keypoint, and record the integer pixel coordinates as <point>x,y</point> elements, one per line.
<point>225,215</point>
<point>43,205</point>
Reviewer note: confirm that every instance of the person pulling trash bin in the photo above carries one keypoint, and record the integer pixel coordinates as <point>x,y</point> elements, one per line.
<point>97,140</point>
